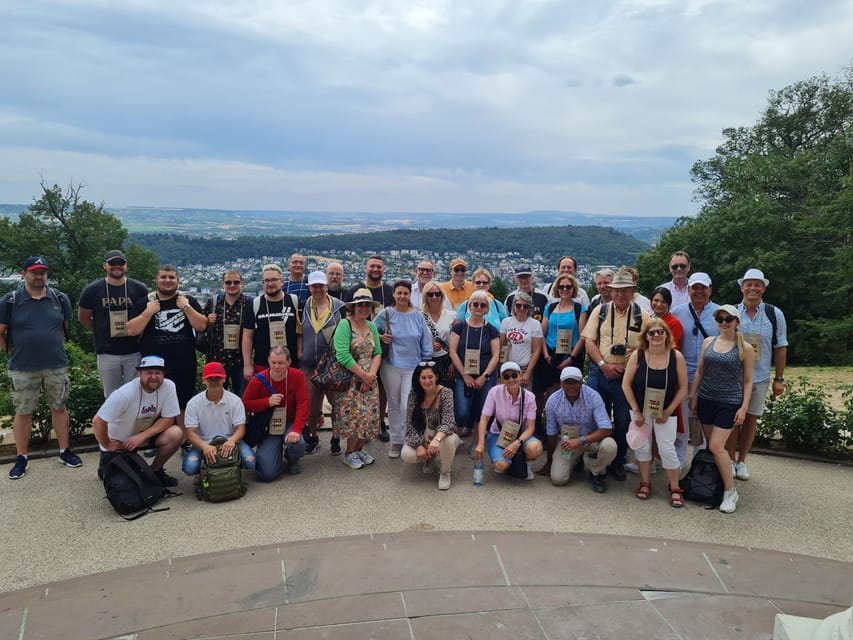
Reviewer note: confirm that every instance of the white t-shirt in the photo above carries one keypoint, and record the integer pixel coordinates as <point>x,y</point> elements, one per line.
<point>214,418</point>
<point>130,402</point>
<point>520,336</point>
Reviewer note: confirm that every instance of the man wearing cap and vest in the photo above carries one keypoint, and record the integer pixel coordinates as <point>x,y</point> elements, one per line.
<point>612,334</point>
<point>763,326</point>
<point>577,424</point>
<point>524,282</point>
<point>215,412</point>
<point>104,308</point>
<point>457,290</point>
<point>141,414</point>
<point>33,323</point>
<point>697,320</point>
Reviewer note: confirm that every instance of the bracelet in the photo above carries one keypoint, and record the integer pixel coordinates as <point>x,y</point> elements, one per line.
<point>584,441</point>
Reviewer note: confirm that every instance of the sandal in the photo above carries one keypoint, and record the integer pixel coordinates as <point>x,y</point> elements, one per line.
<point>676,498</point>
<point>644,491</point>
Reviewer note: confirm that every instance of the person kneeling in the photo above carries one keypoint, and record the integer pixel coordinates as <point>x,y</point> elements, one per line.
<point>514,411</point>
<point>430,427</point>
<point>575,417</point>
<point>215,412</point>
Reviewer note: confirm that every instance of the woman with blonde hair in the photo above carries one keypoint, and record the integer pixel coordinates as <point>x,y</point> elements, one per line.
<point>439,320</point>
<point>655,383</point>
<point>720,393</point>
<point>496,312</point>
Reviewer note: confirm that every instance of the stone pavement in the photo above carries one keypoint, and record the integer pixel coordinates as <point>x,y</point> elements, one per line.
<point>380,553</point>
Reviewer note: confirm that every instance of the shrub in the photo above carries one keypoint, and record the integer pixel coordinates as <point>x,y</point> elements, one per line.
<point>805,421</point>
<point>85,395</point>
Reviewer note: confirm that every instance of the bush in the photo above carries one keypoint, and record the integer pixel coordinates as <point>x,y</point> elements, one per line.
<point>85,395</point>
<point>804,420</point>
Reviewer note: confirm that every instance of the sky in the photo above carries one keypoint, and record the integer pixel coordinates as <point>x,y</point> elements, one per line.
<point>405,106</point>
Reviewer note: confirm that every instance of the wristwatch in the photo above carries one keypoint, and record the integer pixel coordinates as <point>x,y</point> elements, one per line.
<point>779,379</point>
<point>601,362</point>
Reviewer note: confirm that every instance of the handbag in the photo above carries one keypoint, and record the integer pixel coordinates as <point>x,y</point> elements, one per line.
<point>331,374</point>
<point>258,424</point>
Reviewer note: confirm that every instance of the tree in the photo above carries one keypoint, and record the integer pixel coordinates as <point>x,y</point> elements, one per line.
<point>72,234</point>
<point>779,196</point>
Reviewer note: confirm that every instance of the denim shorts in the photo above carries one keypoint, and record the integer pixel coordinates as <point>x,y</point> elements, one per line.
<point>719,414</point>
<point>497,453</point>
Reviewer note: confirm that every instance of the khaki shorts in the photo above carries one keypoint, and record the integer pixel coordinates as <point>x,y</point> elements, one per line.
<point>756,400</point>
<point>27,385</point>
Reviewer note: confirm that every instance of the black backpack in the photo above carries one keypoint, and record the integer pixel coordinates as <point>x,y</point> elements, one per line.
<point>222,480</point>
<point>131,485</point>
<point>703,483</point>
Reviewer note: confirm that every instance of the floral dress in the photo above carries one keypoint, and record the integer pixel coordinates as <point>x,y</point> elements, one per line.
<point>356,412</point>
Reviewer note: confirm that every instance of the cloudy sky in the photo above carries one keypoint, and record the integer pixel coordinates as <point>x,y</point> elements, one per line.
<point>410,105</point>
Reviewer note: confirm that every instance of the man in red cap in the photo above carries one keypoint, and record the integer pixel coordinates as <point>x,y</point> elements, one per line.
<point>33,323</point>
<point>215,412</point>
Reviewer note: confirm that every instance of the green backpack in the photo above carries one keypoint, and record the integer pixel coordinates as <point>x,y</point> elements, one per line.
<point>222,480</point>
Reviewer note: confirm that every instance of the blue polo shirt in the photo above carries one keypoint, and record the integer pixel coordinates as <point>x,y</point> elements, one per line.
<point>37,331</point>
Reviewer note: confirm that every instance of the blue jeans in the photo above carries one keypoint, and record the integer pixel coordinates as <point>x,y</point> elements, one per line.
<point>268,460</point>
<point>467,409</point>
<point>614,400</point>
<point>192,461</point>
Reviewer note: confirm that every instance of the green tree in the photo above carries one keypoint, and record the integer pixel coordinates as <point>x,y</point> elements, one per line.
<point>73,234</point>
<point>779,196</point>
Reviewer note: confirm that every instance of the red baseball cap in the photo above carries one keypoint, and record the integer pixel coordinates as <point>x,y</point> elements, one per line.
<point>213,370</point>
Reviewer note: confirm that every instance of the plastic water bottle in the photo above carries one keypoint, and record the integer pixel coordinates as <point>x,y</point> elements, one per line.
<point>567,455</point>
<point>478,473</point>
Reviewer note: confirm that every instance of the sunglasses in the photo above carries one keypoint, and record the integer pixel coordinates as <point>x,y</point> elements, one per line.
<point>481,283</point>
<point>522,306</point>
<point>656,332</point>
<point>426,363</point>
<point>117,263</point>
<point>434,294</point>
<point>727,319</point>
<point>677,267</point>
<point>459,269</point>
<point>479,305</point>
<point>564,287</point>
<point>230,282</point>
<point>509,375</point>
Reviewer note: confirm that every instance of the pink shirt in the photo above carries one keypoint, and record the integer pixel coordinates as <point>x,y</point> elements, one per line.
<point>500,405</point>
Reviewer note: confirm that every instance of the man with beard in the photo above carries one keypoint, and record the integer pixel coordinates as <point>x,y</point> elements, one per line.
<point>104,307</point>
<point>168,320</point>
<point>141,414</point>
<point>335,278</point>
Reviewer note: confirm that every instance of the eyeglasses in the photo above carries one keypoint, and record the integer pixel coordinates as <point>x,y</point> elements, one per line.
<point>655,332</point>
<point>509,375</point>
<point>564,287</point>
<point>727,319</point>
<point>676,267</point>
<point>117,263</point>
<point>271,280</point>
<point>230,282</point>
<point>426,363</point>
<point>434,294</point>
<point>521,305</point>
<point>424,270</point>
<point>459,269</point>
<point>479,305</point>
<point>481,283</point>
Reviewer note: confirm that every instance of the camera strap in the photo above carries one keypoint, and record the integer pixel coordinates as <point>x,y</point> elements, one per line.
<point>627,320</point>
<point>697,324</point>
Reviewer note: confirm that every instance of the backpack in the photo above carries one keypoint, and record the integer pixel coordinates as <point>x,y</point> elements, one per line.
<point>770,312</point>
<point>131,485</point>
<point>222,480</point>
<point>703,483</point>
<point>258,424</point>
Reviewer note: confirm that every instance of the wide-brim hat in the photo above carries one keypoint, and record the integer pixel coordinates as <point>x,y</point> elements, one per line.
<point>362,295</point>
<point>753,274</point>
<point>622,280</point>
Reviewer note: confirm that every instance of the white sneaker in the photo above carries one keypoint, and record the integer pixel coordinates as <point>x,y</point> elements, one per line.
<point>394,450</point>
<point>729,501</point>
<point>353,461</point>
<point>741,472</point>
<point>443,481</point>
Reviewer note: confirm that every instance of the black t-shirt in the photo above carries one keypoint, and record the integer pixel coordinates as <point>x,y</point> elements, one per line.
<point>169,333</point>
<point>384,293</point>
<point>271,310</point>
<point>540,301</point>
<point>476,338</point>
<point>102,298</point>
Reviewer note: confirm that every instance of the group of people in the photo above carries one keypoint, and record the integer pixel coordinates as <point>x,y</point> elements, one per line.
<point>445,361</point>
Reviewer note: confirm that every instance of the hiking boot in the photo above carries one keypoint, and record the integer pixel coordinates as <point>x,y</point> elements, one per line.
<point>335,446</point>
<point>394,450</point>
<point>70,459</point>
<point>365,457</point>
<point>384,436</point>
<point>353,461</point>
<point>729,503</point>
<point>165,479</point>
<point>293,468</point>
<point>443,481</point>
<point>598,484</point>
<point>617,470</point>
<point>20,469</point>
<point>311,444</point>
<point>741,472</point>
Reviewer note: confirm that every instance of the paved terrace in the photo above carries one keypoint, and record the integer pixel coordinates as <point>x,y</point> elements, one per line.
<point>381,553</point>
